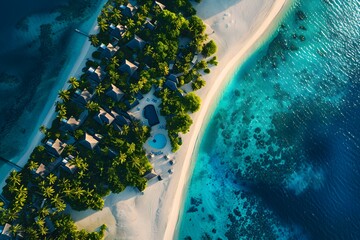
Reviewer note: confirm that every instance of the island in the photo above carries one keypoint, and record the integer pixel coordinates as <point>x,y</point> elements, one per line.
<point>149,53</point>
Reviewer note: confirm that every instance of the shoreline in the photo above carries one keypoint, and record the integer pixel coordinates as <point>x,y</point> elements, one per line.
<point>73,68</point>
<point>241,26</point>
<point>209,104</point>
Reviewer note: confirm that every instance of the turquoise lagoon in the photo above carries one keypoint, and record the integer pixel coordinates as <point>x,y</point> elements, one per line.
<point>280,156</point>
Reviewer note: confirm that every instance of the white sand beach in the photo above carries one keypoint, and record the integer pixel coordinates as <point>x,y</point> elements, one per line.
<point>80,51</point>
<point>238,27</point>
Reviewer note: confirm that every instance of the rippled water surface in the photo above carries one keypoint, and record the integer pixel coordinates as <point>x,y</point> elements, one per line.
<point>280,156</point>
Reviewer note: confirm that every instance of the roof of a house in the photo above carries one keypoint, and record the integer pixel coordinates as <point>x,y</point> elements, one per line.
<point>103,117</point>
<point>117,31</point>
<point>68,166</point>
<point>89,142</point>
<point>149,25</point>
<point>83,97</point>
<point>56,147</point>
<point>160,5</point>
<point>170,85</point>
<point>128,67</point>
<point>136,43</point>
<point>115,93</point>
<point>95,74</point>
<point>128,10</point>
<point>173,77</point>
<point>41,170</point>
<point>6,233</point>
<point>72,123</point>
<point>151,115</point>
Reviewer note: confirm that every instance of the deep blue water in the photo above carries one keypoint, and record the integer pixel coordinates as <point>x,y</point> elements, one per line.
<point>280,156</point>
<point>29,66</point>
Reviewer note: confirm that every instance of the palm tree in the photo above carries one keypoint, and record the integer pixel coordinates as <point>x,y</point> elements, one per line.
<point>94,40</point>
<point>74,82</point>
<point>43,129</point>
<point>114,76</point>
<point>64,95</point>
<point>15,177</point>
<point>51,178</point>
<point>131,148</point>
<point>43,212</point>
<point>99,89</point>
<point>122,158</point>
<point>116,15</point>
<point>61,109</point>
<point>48,191</point>
<point>103,25</point>
<point>130,23</point>
<point>115,61</point>
<point>15,229</point>
<point>92,106</point>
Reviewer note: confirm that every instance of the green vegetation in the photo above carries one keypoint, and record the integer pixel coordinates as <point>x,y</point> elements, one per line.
<point>94,146</point>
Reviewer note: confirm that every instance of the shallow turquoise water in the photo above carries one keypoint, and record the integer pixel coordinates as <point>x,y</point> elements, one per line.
<point>280,156</point>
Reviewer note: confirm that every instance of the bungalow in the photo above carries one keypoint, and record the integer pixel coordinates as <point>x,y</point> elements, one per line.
<point>148,24</point>
<point>55,147</point>
<point>107,51</point>
<point>160,5</point>
<point>42,171</point>
<point>173,77</point>
<point>170,85</point>
<point>82,97</point>
<point>95,75</point>
<point>117,31</point>
<point>103,117</point>
<point>5,232</point>
<point>120,119</point>
<point>72,123</point>
<point>128,67</point>
<point>115,93</point>
<point>67,166</point>
<point>129,10</point>
<point>136,43</point>
<point>89,142</point>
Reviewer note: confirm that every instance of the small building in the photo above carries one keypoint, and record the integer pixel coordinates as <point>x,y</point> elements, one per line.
<point>103,117</point>
<point>170,85</point>
<point>72,123</point>
<point>115,93</point>
<point>148,24</point>
<point>128,67</point>
<point>89,142</point>
<point>55,147</point>
<point>151,115</point>
<point>67,166</point>
<point>117,31</point>
<point>136,43</point>
<point>173,77</point>
<point>42,171</point>
<point>129,10</point>
<point>95,75</point>
<point>120,119</point>
<point>107,51</point>
<point>82,97</point>
<point>159,5</point>
<point>5,232</point>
